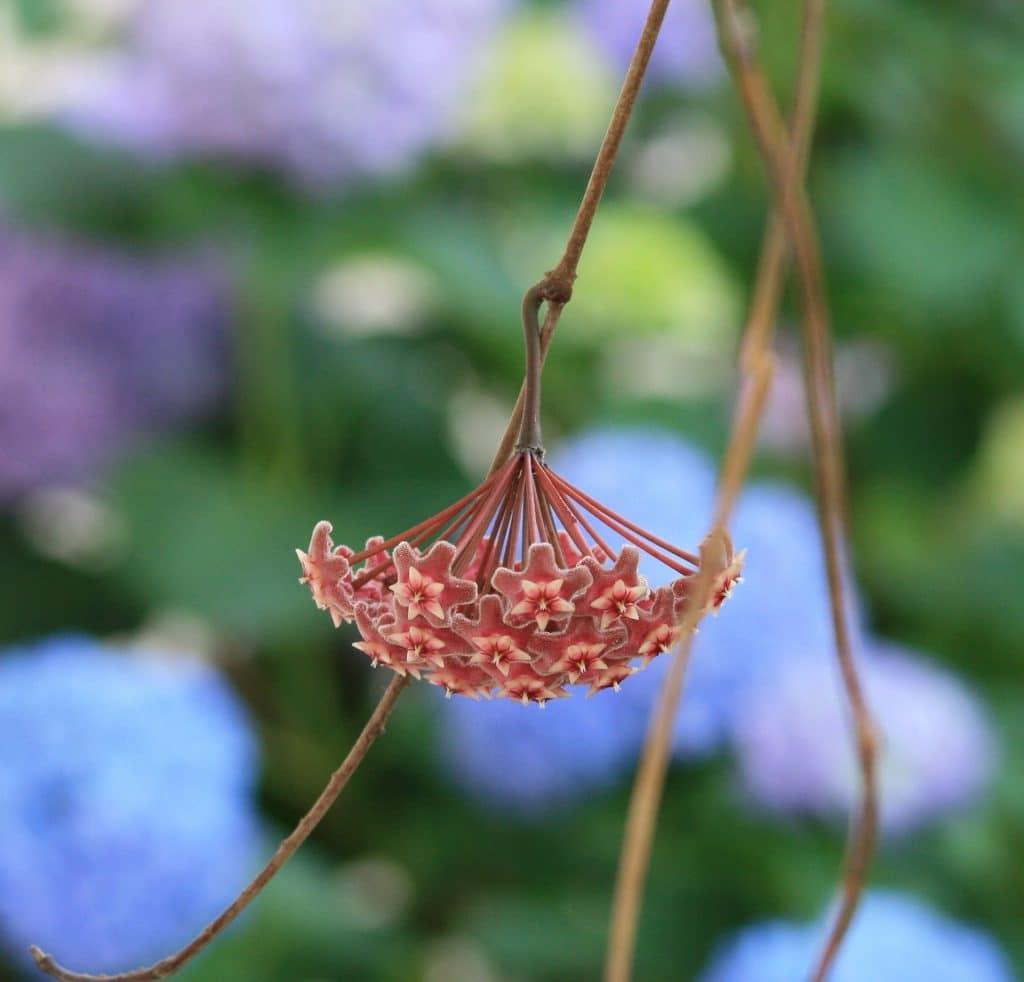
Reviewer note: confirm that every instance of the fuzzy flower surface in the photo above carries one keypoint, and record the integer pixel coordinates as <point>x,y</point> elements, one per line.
<point>894,938</point>
<point>319,91</point>
<point>97,349</point>
<point>687,49</point>
<point>127,817</point>
<point>792,740</point>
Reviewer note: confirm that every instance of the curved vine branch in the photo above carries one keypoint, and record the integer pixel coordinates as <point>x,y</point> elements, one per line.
<point>168,966</point>
<point>556,285</point>
<point>756,365</point>
<point>826,442</point>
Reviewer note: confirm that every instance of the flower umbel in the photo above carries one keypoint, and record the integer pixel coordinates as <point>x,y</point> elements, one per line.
<point>513,589</point>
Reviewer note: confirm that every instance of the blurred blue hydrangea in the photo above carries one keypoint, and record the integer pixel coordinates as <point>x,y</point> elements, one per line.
<point>894,938</point>
<point>126,801</point>
<point>782,602</point>
<point>317,90</point>
<point>96,348</point>
<point>532,760</point>
<point>507,755</point>
<point>792,739</point>
<point>687,48</point>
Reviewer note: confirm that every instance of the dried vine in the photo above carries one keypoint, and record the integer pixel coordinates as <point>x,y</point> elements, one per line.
<point>785,158</point>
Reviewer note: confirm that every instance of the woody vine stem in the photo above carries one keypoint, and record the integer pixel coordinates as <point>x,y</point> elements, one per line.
<point>555,289</point>
<point>785,160</point>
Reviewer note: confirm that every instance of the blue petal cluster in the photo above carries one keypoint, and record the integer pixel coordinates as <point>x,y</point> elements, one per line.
<point>532,761</point>
<point>97,348</point>
<point>895,938</point>
<point>317,90</point>
<point>127,817</point>
<point>687,49</point>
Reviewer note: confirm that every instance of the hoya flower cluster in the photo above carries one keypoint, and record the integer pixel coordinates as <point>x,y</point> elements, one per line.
<point>514,589</point>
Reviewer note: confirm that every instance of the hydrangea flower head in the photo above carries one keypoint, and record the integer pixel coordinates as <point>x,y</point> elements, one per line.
<point>894,938</point>
<point>794,749</point>
<point>319,90</point>
<point>126,784</point>
<point>515,588</point>
<point>95,349</point>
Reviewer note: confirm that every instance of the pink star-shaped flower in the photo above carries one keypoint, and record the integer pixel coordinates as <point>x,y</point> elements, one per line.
<point>426,586</point>
<point>612,677</point>
<point>525,685</point>
<point>327,571</point>
<point>495,643</point>
<point>615,593</point>
<point>727,580</point>
<point>373,589</point>
<point>541,592</point>
<point>718,555</point>
<point>656,630</point>
<point>373,621</point>
<point>463,680</point>
<point>579,651</point>
<point>424,645</point>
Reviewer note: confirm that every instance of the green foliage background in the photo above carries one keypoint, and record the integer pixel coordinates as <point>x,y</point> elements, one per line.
<point>916,178</point>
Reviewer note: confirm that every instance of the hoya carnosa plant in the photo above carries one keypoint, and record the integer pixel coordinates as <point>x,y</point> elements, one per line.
<point>515,589</point>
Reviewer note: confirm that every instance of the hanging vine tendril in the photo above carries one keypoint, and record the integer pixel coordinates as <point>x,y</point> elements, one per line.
<point>785,157</point>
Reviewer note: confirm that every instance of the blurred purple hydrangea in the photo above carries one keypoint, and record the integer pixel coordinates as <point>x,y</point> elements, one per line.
<point>578,745</point>
<point>895,938</point>
<point>95,349</point>
<point>318,90</point>
<point>687,48</point>
<point>792,739</point>
<point>126,801</point>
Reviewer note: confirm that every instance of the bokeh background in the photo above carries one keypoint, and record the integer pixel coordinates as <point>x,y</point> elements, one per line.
<point>260,264</point>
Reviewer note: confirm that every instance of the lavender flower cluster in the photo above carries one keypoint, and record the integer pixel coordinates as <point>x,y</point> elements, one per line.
<point>761,679</point>
<point>320,91</point>
<point>127,817</point>
<point>97,348</point>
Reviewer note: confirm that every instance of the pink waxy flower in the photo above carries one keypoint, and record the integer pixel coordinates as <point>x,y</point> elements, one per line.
<point>326,570</point>
<point>513,590</point>
<point>496,643</point>
<point>542,592</point>
<point>425,584</point>
<point>615,593</point>
<point>583,655</point>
